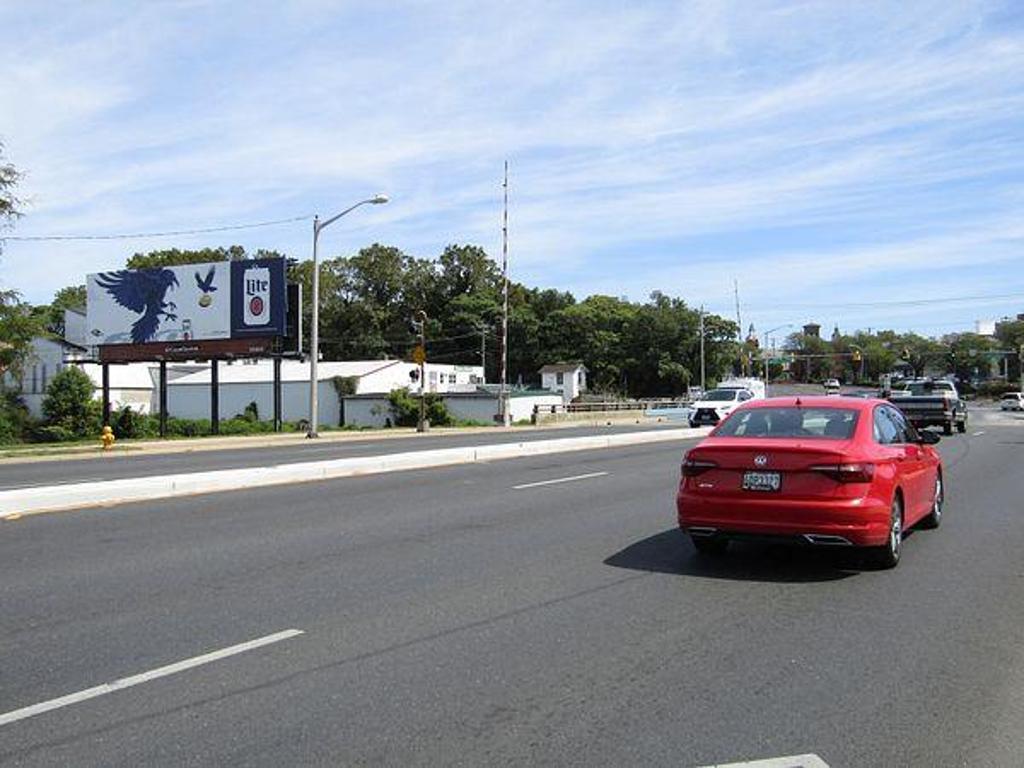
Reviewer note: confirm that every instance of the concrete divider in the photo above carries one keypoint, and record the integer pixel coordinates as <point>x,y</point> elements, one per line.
<point>28,501</point>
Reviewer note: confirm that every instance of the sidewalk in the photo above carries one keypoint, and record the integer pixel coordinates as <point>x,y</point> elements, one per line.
<point>49,452</point>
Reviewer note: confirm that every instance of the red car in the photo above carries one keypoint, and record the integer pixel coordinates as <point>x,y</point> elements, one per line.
<point>823,471</point>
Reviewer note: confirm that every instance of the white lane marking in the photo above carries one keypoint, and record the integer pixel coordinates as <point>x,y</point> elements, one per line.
<point>792,761</point>
<point>144,677</point>
<point>978,433</point>
<point>559,480</point>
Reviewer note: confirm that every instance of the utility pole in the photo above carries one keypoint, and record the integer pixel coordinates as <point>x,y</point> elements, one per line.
<point>421,358</point>
<point>739,326</point>
<point>506,417</point>
<point>483,349</point>
<point>702,385</point>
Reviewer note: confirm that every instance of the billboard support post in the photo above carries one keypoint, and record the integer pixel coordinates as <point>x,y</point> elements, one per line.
<point>163,398</point>
<point>106,394</point>
<point>214,398</point>
<point>277,394</point>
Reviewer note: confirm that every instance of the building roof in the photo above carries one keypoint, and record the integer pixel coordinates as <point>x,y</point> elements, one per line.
<point>291,370</point>
<point>562,367</point>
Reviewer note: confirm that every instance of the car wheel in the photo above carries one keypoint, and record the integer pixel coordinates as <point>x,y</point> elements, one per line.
<point>713,546</point>
<point>934,517</point>
<point>961,426</point>
<point>947,428</point>
<point>888,555</point>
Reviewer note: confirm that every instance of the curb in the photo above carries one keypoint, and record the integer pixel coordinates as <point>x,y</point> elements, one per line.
<point>54,498</point>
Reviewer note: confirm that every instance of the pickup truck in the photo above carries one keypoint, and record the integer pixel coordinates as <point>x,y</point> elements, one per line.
<point>928,403</point>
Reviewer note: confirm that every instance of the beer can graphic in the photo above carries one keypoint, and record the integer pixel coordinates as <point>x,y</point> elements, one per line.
<point>256,288</point>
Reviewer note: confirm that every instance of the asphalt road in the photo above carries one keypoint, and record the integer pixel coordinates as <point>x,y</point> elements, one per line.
<point>117,465</point>
<point>450,618</point>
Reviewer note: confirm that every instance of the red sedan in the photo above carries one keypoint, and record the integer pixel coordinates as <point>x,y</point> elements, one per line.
<point>823,471</point>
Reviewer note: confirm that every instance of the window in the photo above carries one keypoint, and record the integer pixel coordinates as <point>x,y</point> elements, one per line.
<point>886,432</point>
<point>559,378</point>
<point>905,432</point>
<point>745,395</point>
<point>719,395</point>
<point>43,377</point>
<point>825,423</point>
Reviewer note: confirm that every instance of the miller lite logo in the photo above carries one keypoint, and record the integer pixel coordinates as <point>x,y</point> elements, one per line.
<point>256,296</point>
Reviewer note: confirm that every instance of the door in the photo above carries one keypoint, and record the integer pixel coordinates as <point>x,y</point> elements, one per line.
<point>917,469</point>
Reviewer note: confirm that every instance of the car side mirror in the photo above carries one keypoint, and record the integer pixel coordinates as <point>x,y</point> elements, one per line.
<point>926,437</point>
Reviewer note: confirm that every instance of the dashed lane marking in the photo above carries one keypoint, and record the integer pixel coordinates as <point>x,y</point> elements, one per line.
<point>144,677</point>
<point>558,480</point>
<point>792,761</point>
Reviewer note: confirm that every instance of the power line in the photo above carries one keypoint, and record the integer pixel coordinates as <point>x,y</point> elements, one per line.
<point>140,235</point>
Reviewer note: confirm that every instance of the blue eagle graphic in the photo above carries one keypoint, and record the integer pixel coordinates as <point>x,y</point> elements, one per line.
<point>206,283</point>
<point>142,291</point>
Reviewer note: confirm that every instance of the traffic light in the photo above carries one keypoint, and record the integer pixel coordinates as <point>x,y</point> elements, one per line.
<point>856,356</point>
<point>906,353</point>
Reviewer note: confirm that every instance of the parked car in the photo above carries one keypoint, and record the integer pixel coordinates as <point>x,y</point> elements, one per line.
<point>820,471</point>
<point>832,386</point>
<point>928,403</point>
<point>1012,401</point>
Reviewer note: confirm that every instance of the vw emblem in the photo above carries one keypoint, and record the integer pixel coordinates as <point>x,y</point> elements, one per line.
<point>761,460</point>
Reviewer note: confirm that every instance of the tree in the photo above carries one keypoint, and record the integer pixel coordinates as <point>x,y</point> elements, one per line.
<point>18,326</point>
<point>51,315</point>
<point>69,403</point>
<point>9,177</point>
<point>173,257</point>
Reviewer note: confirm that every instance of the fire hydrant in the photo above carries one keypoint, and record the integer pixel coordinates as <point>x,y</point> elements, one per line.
<point>107,438</point>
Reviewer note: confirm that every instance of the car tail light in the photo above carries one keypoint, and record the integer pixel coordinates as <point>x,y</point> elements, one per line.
<point>847,473</point>
<point>694,467</point>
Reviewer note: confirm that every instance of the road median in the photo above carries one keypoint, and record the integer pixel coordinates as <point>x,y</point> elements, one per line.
<point>54,498</point>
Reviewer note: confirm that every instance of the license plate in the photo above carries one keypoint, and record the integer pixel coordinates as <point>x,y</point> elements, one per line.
<point>761,481</point>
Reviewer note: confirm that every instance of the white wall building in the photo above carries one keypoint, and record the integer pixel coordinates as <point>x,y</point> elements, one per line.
<point>568,379</point>
<point>242,383</point>
<point>373,410</point>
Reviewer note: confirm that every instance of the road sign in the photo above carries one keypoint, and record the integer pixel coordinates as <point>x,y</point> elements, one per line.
<point>419,355</point>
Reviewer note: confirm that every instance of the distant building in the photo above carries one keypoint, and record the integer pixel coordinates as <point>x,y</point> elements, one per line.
<point>985,327</point>
<point>813,330</point>
<point>242,383</point>
<point>568,379</point>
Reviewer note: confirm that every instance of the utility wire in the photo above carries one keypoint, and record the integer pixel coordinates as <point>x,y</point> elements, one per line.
<point>171,233</point>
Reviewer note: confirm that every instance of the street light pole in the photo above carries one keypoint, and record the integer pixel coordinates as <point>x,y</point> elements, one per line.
<point>421,319</point>
<point>314,341</point>
<point>702,371</point>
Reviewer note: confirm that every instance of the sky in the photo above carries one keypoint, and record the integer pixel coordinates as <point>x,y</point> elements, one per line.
<point>853,164</point>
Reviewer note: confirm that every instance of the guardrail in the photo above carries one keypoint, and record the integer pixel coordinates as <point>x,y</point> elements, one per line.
<point>611,406</point>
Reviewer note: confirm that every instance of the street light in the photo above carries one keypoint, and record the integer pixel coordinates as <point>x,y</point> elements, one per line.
<point>314,342</point>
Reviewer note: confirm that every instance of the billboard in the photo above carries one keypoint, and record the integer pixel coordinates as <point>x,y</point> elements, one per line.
<point>191,303</point>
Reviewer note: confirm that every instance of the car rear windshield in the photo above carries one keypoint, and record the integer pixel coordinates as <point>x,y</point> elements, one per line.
<point>918,390</point>
<point>1011,396</point>
<point>824,423</point>
<point>718,395</point>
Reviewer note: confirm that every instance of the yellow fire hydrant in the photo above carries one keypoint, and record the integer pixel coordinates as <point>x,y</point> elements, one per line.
<point>107,438</point>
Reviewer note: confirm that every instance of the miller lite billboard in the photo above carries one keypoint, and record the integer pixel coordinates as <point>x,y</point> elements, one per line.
<point>192,303</point>
<point>258,298</point>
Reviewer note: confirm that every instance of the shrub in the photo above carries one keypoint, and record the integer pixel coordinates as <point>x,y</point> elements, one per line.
<point>405,409</point>
<point>53,433</point>
<point>14,418</point>
<point>997,389</point>
<point>69,405</point>
<point>128,424</point>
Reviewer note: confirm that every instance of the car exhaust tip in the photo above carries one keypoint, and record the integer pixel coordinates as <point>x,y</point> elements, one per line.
<point>828,540</point>
<point>701,531</point>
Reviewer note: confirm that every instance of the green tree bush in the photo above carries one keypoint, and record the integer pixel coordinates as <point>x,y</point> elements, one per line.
<point>69,405</point>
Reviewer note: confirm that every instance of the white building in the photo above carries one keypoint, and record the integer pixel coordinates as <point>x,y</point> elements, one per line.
<point>568,379</point>
<point>482,406</point>
<point>242,383</point>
